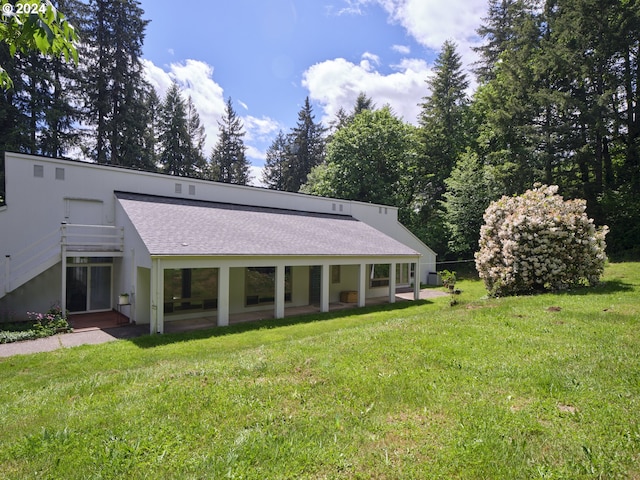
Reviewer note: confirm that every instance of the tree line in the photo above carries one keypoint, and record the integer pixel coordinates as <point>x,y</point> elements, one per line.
<point>556,102</point>
<point>102,109</point>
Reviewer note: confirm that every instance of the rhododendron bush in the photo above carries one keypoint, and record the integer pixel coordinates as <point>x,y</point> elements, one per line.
<point>538,241</point>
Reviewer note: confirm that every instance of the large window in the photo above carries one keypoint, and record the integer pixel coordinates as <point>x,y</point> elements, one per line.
<point>189,289</point>
<point>260,285</point>
<point>379,275</point>
<point>402,274</point>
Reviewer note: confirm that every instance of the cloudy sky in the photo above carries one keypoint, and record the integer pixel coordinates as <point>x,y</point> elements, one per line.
<point>268,55</point>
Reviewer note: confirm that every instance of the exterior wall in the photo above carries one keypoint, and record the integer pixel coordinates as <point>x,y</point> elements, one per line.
<point>385,219</point>
<point>37,295</point>
<point>78,192</point>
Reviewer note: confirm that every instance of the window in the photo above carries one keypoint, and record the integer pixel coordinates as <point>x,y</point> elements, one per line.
<point>379,276</point>
<point>189,289</point>
<point>38,171</point>
<point>178,188</point>
<point>335,273</point>
<point>402,273</point>
<point>192,189</point>
<point>59,173</point>
<point>260,285</point>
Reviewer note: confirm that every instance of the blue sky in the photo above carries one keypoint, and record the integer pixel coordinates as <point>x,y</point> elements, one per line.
<point>268,55</point>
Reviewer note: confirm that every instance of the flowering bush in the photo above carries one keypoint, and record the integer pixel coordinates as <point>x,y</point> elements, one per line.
<point>538,241</point>
<point>39,325</point>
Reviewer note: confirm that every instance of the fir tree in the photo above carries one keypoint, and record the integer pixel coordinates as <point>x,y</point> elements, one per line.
<point>175,143</point>
<point>197,137</point>
<point>115,88</point>
<point>277,163</point>
<point>306,144</point>
<point>229,163</point>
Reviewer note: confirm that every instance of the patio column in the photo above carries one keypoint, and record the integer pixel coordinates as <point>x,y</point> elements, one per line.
<point>392,283</point>
<point>157,297</point>
<point>63,253</point>
<point>223,296</point>
<point>416,281</point>
<point>362,285</point>
<point>279,293</point>
<point>324,289</point>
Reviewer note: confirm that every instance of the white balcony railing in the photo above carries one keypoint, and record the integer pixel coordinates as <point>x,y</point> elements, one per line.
<point>18,268</point>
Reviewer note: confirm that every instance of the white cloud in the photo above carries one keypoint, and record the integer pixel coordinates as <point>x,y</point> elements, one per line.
<point>401,49</point>
<point>337,83</point>
<point>195,79</point>
<point>432,22</point>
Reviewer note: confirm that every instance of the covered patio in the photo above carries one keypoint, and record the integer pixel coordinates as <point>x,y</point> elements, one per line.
<point>236,263</point>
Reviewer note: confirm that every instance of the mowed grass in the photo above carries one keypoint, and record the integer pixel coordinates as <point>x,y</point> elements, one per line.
<point>544,386</point>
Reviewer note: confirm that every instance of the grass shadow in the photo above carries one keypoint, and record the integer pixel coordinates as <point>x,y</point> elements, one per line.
<point>150,341</point>
<point>603,288</point>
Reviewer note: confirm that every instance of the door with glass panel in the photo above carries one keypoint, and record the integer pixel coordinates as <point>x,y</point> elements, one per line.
<point>88,284</point>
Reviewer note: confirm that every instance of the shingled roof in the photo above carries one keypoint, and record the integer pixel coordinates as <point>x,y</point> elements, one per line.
<point>174,226</point>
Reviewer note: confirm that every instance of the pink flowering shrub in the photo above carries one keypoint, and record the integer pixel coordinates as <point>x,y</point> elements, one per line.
<point>538,241</point>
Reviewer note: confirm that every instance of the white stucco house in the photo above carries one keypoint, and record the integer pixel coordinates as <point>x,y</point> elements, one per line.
<point>80,234</point>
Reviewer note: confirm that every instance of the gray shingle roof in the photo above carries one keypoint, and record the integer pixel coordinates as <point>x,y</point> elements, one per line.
<point>172,226</point>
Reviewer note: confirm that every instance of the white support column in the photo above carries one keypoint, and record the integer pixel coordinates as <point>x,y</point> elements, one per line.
<point>153,289</point>
<point>223,296</point>
<point>324,289</point>
<point>63,257</point>
<point>7,273</point>
<point>416,281</point>
<point>279,293</point>
<point>392,282</point>
<point>157,297</point>
<point>362,285</point>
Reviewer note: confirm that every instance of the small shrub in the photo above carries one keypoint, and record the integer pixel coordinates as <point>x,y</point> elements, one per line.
<point>41,325</point>
<point>538,241</point>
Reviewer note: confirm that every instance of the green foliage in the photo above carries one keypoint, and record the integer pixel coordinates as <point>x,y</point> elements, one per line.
<point>538,241</point>
<point>468,195</point>
<point>41,325</point>
<point>35,27</point>
<point>371,159</point>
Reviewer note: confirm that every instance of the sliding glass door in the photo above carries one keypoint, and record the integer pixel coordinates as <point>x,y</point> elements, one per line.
<point>89,284</point>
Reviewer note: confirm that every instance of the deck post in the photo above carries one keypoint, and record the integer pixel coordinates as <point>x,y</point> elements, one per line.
<point>63,257</point>
<point>279,293</point>
<point>7,274</point>
<point>223,296</point>
<point>324,289</point>
<point>392,282</point>
<point>362,285</point>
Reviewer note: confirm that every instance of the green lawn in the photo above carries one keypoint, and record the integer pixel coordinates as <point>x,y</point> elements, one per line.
<point>544,386</point>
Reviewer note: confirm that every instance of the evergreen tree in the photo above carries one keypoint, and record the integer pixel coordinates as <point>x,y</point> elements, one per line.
<point>153,106</point>
<point>229,163</point>
<point>306,145</point>
<point>116,91</point>
<point>444,135</point>
<point>498,30</point>
<point>277,162</point>
<point>175,143</point>
<point>197,137</point>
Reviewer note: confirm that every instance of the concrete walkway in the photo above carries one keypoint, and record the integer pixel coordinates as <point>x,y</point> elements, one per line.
<point>90,336</point>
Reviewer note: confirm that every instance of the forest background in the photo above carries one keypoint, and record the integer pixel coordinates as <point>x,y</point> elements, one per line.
<point>556,102</point>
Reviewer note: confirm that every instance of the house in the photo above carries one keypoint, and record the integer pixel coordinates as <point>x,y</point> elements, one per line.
<point>80,234</point>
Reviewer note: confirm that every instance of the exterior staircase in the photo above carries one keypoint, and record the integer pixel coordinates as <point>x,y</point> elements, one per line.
<point>83,240</point>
